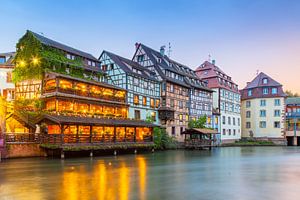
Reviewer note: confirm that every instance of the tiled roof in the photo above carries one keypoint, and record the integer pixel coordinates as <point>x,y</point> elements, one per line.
<point>258,82</point>
<point>9,56</point>
<point>292,100</point>
<point>173,66</point>
<point>125,63</point>
<point>46,41</point>
<point>60,119</point>
<point>212,73</point>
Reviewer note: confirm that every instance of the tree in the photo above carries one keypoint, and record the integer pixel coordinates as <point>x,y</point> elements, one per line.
<point>291,94</point>
<point>2,115</point>
<point>198,123</point>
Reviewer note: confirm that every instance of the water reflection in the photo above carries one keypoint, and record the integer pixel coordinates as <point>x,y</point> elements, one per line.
<point>225,173</point>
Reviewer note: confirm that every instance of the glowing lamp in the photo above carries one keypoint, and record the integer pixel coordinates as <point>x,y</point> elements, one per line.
<point>22,63</point>
<point>35,61</point>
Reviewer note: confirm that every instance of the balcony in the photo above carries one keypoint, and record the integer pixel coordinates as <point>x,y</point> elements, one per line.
<point>293,115</point>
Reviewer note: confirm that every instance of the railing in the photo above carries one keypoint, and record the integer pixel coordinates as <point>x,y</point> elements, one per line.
<point>86,138</point>
<point>84,94</point>
<point>21,138</point>
<point>198,143</point>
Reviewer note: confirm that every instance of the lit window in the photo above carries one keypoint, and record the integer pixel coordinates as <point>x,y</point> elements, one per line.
<point>180,117</point>
<point>144,101</point>
<point>152,103</point>
<point>157,103</point>
<point>136,99</point>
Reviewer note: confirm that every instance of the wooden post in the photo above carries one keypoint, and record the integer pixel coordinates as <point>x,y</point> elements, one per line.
<point>62,133</point>
<point>77,133</point>
<point>125,135</point>
<point>134,134</point>
<point>115,134</point>
<point>91,134</point>
<point>62,154</point>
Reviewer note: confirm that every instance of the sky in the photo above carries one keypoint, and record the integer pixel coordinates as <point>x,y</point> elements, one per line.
<point>243,36</point>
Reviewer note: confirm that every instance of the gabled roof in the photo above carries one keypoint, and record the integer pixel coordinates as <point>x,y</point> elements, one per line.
<point>211,72</point>
<point>9,56</point>
<point>258,82</point>
<point>168,64</point>
<point>46,41</point>
<point>126,64</point>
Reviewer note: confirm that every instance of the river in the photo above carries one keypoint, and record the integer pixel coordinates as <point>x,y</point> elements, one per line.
<point>223,173</point>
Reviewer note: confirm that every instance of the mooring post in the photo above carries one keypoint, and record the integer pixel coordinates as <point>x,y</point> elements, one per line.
<point>135,151</point>
<point>152,150</point>
<point>62,155</point>
<point>91,154</point>
<point>115,152</point>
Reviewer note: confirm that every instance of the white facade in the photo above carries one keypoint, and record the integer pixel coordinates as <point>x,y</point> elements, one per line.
<point>229,105</point>
<point>7,87</point>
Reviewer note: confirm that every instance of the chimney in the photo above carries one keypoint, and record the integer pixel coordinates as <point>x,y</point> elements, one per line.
<point>162,50</point>
<point>248,83</point>
<point>213,62</point>
<point>136,45</point>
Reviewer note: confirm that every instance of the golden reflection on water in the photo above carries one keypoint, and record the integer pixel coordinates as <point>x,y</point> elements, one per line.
<point>142,167</point>
<point>104,181</point>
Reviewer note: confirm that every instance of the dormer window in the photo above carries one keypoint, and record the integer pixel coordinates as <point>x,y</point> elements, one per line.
<point>140,58</point>
<point>2,60</point>
<point>249,93</point>
<point>159,60</point>
<point>265,81</point>
<point>265,90</point>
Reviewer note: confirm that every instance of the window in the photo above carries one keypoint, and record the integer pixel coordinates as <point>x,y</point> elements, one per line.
<point>180,117</point>
<point>262,102</point>
<point>136,99</point>
<point>262,124</point>
<point>229,131</point>
<point>89,62</point>
<point>234,131</point>
<point>265,81</point>
<point>2,60</point>
<point>171,88</point>
<point>239,122</point>
<point>233,121</point>
<point>135,81</point>
<point>249,93</point>
<point>277,102</point>
<point>157,103</point>
<point>180,104</point>
<point>172,102</point>
<point>276,124</point>
<point>173,130</point>
<point>144,101</point>
<point>181,130</point>
<point>248,125</point>
<point>153,115</point>
<point>137,114</point>
<point>229,120</point>
<point>274,90</point>
<point>248,104</point>
<point>224,131</point>
<point>140,58</point>
<point>8,77</point>
<point>223,120</point>
<point>186,117</point>
<point>152,103</point>
<point>262,113</point>
<point>276,113</point>
<point>265,90</point>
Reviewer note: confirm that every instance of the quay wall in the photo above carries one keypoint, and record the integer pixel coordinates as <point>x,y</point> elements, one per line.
<point>21,150</point>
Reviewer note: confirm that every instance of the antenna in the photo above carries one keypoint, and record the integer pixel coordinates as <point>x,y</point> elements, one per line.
<point>209,58</point>
<point>257,71</point>
<point>169,50</point>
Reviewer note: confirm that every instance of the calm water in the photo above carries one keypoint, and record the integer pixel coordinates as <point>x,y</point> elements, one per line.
<point>224,173</point>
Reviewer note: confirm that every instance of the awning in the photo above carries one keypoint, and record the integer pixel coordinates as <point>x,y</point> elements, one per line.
<point>200,131</point>
<point>72,120</point>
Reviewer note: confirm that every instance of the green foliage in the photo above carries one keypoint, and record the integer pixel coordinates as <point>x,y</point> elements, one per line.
<point>291,94</point>
<point>199,123</point>
<point>47,59</point>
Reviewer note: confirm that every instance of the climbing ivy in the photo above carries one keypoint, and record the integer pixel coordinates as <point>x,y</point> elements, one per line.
<point>33,59</point>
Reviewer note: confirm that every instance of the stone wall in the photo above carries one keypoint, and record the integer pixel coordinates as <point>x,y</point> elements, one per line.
<point>23,150</point>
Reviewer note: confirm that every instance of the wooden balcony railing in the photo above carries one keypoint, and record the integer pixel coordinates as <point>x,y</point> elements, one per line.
<point>21,137</point>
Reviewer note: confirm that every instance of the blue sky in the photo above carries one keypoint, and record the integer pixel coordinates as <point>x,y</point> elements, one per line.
<point>241,35</point>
